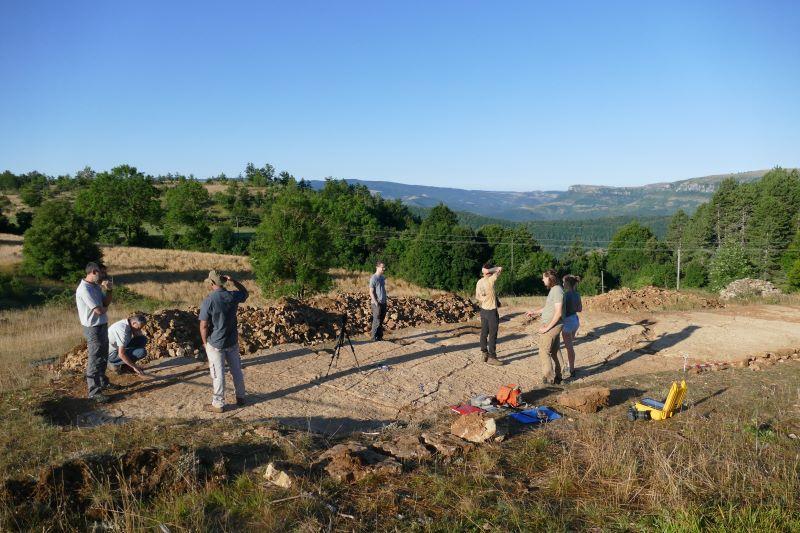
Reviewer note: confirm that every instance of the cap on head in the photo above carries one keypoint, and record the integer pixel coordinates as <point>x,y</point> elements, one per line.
<point>215,278</point>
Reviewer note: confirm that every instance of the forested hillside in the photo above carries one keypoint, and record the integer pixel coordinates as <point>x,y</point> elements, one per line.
<point>297,233</point>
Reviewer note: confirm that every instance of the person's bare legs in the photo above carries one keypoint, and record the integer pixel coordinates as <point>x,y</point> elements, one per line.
<point>568,338</point>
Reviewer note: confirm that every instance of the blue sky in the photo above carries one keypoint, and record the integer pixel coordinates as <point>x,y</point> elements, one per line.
<point>482,95</point>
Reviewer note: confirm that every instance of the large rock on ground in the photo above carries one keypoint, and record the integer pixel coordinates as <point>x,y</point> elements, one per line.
<point>404,447</point>
<point>446,445</point>
<point>585,400</point>
<point>473,427</point>
<point>352,461</point>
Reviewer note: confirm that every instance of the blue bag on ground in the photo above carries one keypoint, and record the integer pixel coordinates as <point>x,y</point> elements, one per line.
<point>537,415</point>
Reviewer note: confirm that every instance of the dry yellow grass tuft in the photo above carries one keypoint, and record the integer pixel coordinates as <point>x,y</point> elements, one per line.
<point>10,249</point>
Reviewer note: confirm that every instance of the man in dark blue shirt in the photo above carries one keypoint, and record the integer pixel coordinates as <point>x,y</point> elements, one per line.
<point>218,329</point>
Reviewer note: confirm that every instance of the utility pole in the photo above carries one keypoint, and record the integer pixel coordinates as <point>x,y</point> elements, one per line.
<point>512,265</point>
<point>602,283</point>
<point>678,278</point>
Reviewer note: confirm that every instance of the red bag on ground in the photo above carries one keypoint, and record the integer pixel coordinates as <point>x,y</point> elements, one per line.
<point>509,395</point>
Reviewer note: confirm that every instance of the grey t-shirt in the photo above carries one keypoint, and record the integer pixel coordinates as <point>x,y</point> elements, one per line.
<point>119,335</point>
<point>572,301</point>
<point>555,296</point>
<point>87,297</point>
<point>219,310</point>
<point>378,282</point>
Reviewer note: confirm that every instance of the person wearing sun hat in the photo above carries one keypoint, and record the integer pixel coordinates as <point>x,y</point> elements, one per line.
<point>218,330</point>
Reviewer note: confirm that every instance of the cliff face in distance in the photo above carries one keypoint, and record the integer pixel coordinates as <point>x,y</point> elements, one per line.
<point>577,202</point>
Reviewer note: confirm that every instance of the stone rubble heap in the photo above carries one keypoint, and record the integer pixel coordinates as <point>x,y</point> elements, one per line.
<point>748,287</point>
<point>175,332</point>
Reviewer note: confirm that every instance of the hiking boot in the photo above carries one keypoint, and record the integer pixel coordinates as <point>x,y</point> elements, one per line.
<point>546,381</point>
<point>240,401</point>
<point>99,398</point>
<point>485,356</point>
<point>494,361</point>
<point>210,408</point>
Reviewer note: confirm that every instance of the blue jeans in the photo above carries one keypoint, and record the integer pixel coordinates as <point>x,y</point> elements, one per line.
<point>135,350</point>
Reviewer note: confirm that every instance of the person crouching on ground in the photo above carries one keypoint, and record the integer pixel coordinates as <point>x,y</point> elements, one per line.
<point>127,344</point>
<point>218,330</point>
<point>490,318</point>
<point>92,306</point>
<point>377,297</point>
<point>572,306</point>
<point>549,333</point>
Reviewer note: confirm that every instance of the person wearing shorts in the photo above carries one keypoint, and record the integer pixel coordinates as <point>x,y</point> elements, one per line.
<point>572,306</point>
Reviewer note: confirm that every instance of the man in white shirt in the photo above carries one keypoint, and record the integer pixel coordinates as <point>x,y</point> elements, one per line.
<point>92,306</point>
<point>127,344</point>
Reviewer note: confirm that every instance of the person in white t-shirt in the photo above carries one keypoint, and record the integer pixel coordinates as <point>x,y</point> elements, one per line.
<point>127,344</point>
<point>92,303</point>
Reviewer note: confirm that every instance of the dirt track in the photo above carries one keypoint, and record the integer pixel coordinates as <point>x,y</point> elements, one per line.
<point>419,371</point>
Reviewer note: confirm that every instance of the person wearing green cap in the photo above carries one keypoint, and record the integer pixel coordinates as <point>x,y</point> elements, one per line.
<point>218,330</point>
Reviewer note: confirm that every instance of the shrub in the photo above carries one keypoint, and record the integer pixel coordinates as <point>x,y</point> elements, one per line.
<point>59,242</point>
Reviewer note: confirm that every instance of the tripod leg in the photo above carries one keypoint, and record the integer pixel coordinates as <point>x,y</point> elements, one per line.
<point>358,366</point>
<point>334,357</point>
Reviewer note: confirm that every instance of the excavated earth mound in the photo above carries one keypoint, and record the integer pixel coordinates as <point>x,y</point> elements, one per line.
<point>646,299</point>
<point>175,333</point>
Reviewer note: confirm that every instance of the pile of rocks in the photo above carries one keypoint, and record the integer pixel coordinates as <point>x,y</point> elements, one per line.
<point>625,300</point>
<point>748,288</point>
<point>175,332</point>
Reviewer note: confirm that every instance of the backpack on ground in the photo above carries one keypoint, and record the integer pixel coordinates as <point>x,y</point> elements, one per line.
<point>509,395</point>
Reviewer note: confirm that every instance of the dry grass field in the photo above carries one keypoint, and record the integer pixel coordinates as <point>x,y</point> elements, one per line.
<point>174,277</point>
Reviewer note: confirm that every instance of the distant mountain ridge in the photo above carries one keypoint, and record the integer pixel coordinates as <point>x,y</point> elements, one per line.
<point>576,203</point>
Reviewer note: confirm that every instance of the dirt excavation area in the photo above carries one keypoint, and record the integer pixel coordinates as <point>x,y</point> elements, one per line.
<point>417,372</point>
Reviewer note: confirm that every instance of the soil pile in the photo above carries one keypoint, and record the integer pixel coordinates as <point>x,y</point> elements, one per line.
<point>175,333</point>
<point>748,288</point>
<point>626,300</point>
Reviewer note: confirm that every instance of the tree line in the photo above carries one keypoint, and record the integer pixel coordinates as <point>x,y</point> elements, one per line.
<point>294,234</point>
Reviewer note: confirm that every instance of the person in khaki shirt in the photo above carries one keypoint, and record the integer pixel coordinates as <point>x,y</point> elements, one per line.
<point>490,318</point>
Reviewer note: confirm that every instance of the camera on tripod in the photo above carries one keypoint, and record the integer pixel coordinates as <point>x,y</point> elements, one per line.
<point>340,341</point>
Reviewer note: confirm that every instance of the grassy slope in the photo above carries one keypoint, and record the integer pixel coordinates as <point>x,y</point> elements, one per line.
<point>727,464</point>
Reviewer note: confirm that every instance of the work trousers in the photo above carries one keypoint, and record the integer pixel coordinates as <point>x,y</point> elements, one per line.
<point>135,350</point>
<point>378,314</point>
<point>490,321</point>
<point>548,354</point>
<point>97,343</point>
<point>217,357</point>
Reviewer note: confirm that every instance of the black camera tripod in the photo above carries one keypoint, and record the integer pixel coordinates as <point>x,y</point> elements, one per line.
<point>340,340</point>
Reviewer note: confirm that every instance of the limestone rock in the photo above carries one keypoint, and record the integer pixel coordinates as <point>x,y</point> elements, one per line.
<point>352,461</point>
<point>404,447</point>
<point>277,477</point>
<point>585,400</point>
<point>446,445</point>
<point>474,427</point>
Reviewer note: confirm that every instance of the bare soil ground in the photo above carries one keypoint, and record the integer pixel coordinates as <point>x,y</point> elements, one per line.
<point>416,373</point>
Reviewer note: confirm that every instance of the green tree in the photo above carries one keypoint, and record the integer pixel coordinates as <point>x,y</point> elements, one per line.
<point>511,248</point>
<point>185,218</point>
<point>442,255</point>
<point>774,220</point>
<point>59,243</point>
<point>635,256</point>
<point>33,192</point>
<point>119,202</point>
<point>730,263</point>
<point>290,251</point>
<point>529,275</point>
<point>223,239</point>
<point>260,176</point>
